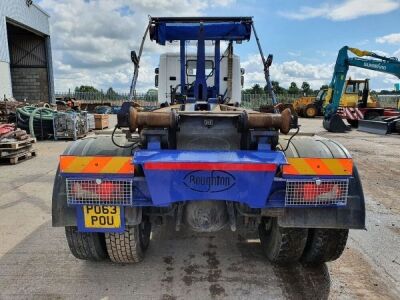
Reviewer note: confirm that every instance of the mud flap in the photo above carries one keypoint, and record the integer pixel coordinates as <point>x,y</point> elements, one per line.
<point>377,127</point>
<point>335,124</point>
<point>351,216</point>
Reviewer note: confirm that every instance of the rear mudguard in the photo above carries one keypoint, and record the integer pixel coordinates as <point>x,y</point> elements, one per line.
<point>350,216</point>
<point>64,215</point>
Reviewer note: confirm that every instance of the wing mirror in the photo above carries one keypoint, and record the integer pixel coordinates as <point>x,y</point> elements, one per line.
<point>134,58</point>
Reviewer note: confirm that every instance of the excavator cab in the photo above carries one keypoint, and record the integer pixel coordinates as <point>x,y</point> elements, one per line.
<point>357,94</point>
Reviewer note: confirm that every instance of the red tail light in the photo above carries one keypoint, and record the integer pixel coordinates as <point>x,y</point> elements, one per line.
<point>313,191</point>
<point>104,190</point>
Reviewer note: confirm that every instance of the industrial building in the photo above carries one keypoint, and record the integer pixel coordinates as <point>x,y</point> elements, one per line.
<point>25,52</point>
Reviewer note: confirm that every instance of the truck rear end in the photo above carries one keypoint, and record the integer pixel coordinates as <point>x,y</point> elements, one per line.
<point>207,165</point>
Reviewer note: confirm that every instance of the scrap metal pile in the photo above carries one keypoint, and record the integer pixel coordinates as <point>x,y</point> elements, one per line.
<point>70,125</point>
<point>15,145</point>
<point>47,123</point>
<point>8,108</point>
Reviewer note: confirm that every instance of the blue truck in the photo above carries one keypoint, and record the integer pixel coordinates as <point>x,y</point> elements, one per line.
<point>207,164</point>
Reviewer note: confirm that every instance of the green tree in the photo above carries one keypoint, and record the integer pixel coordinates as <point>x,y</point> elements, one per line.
<point>151,94</point>
<point>277,88</point>
<point>306,88</point>
<point>111,94</point>
<point>257,89</point>
<point>293,89</point>
<point>86,89</point>
<point>324,87</point>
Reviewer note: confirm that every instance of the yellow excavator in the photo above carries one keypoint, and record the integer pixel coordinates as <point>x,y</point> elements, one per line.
<point>334,111</point>
<point>353,94</point>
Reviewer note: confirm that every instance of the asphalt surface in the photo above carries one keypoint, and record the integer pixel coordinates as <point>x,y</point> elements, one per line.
<point>35,262</point>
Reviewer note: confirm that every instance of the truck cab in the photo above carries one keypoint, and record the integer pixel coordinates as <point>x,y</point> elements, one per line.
<point>168,77</point>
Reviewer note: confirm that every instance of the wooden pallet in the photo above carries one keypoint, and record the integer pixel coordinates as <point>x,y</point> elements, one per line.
<point>17,144</point>
<point>17,158</point>
<point>12,152</point>
<point>61,137</point>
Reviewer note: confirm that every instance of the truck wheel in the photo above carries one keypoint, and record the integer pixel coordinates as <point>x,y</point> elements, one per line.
<point>130,245</point>
<point>282,245</point>
<point>324,245</point>
<point>310,111</point>
<point>86,245</point>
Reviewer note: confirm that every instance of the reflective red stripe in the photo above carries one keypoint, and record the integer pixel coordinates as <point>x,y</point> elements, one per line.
<point>251,167</point>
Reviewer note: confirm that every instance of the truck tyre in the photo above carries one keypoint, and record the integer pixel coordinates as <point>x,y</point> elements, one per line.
<point>130,245</point>
<point>310,111</point>
<point>282,245</point>
<point>86,245</point>
<point>324,245</point>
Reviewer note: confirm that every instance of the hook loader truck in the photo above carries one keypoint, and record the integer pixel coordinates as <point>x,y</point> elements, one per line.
<point>207,165</point>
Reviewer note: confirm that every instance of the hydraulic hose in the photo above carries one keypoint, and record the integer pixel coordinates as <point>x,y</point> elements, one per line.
<point>30,112</point>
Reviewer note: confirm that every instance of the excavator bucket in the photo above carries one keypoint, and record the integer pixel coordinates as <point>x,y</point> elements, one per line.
<point>374,126</point>
<point>381,125</point>
<point>335,124</point>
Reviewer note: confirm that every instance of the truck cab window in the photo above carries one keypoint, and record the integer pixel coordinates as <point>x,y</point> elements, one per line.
<point>191,66</point>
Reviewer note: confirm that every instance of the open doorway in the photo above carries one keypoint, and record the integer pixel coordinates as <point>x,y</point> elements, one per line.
<point>28,64</point>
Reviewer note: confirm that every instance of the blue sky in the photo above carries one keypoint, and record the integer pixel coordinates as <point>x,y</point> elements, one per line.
<point>92,38</point>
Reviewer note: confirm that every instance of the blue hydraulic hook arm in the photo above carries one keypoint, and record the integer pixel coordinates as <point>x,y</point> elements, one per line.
<point>215,29</point>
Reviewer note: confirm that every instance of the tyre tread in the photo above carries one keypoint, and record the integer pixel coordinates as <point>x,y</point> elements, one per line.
<point>324,245</point>
<point>86,245</point>
<point>283,245</point>
<point>125,247</point>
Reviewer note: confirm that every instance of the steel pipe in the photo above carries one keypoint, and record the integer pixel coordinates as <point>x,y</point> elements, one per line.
<point>150,119</point>
<point>265,120</point>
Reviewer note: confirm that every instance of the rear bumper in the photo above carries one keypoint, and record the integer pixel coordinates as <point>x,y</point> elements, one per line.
<point>251,178</point>
<point>239,176</point>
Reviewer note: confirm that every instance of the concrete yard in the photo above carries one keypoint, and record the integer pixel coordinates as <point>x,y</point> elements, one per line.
<point>35,262</point>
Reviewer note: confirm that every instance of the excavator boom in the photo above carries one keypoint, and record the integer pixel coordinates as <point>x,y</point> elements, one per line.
<point>390,65</point>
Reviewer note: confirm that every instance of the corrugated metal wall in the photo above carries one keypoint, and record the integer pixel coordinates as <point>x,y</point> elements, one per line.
<point>31,74</point>
<point>26,49</point>
<point>17,11</point>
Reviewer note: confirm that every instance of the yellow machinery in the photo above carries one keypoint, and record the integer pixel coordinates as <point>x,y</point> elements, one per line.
<point>355,92</point>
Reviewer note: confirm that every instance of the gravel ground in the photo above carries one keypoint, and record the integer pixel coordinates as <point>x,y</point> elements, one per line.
<point>35,262</point>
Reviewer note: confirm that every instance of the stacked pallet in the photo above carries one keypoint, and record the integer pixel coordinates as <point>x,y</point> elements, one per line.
<point>15,145</point>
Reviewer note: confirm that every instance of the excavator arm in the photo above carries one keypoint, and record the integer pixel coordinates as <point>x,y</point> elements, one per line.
<point>389,65</point>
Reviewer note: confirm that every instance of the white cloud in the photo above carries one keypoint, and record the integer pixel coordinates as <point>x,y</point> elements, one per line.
<point>346,10</point>
<point>315,74</point>
<point>393,38</point>
<point>287,72</point>
<point>92,39</point>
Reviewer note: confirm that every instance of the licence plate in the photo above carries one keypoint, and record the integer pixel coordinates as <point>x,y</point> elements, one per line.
<point>102,217</point>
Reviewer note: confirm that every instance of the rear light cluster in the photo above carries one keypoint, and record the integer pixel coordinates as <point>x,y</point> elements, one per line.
<point>316,192</point>
<point>99,192</point>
